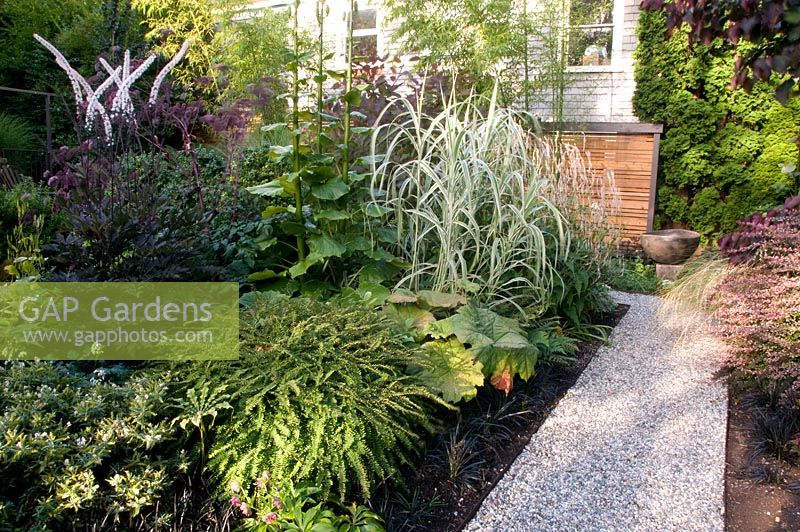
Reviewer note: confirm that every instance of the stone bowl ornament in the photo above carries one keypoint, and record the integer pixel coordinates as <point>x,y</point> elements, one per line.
<point>670,246</point>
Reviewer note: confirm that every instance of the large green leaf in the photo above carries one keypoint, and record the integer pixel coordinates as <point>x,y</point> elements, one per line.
<point>374,294</point>
<point>370,159</point>
<point>441,299</point>
<point>514,361</point>
<point>376,211</point>
<point>272,210</point>
<point>401,295</point>
<point>330,190</point>
<point>272,188</point>
<point>353,98</point>
<point>410,316</point>
<point>279,151</point>
<point>274,127</point>
<point>332,214</point>
<point>317,175</point>
<point>356,242</point>
<point>446,367</point>
<point>499,343</point>
<point>302,267</point>
<point>380,254</point>
<point>326,246</point>
<point>263,275</point>
<point>291,227</point>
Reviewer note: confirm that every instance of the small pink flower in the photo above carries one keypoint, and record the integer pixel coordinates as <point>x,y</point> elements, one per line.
<point>235,487</point>
<point>270,517</point>
<point>246,511</point>
<point>263,481</point>
<point>276,502</point>
<point>236,501</point>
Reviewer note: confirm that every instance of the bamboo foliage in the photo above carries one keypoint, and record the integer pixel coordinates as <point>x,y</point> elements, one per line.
<point>470,204</point>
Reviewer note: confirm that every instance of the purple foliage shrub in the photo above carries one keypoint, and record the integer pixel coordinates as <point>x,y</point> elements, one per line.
<point>758,303</point>
<point>761,232</point>
<point>140,205</point>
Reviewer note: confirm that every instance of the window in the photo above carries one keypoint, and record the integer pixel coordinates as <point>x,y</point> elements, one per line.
<point>591,35</point>
<point>365,34</point>
<point>366,19</point>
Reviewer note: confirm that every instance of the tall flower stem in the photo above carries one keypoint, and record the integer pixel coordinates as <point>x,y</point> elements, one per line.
<point>348,86</point>
<point>320,69</point>
<point>296,163</point>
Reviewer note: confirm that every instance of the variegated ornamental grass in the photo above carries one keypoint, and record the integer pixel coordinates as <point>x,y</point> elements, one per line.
<point>470,203</point>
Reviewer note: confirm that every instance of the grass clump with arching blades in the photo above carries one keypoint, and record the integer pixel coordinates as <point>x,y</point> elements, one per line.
<point>469,203</point>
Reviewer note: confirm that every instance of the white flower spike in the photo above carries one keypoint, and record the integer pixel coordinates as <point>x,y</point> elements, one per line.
<point>121,76</point>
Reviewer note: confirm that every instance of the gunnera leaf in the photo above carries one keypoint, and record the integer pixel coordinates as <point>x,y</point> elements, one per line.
<point>497,342</point>
<point>435,299</point>
<point>447,368</point>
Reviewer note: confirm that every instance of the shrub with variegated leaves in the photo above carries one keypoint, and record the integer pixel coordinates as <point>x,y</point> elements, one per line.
<point>80,448</point>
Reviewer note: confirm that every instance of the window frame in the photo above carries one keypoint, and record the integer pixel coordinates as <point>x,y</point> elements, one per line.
<point>368,32</point>
<point>617,27</point>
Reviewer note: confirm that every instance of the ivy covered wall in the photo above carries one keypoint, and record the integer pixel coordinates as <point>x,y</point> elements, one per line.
<point>723,151</point>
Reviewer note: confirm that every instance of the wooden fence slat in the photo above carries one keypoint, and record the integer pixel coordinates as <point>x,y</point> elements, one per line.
<point>630,158</point>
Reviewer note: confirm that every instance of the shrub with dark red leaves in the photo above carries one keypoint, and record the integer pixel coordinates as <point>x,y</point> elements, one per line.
<point>764,233</point>
<point>771,25</point>
<point>758,302</point>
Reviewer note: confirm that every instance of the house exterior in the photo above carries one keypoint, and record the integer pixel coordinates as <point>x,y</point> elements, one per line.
<point>600,90</point>
<point>598,86</point>
<point>372,31</point>
<point>602,33</point>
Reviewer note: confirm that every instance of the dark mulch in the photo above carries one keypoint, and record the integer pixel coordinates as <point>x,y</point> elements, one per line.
<point>761,492</point>
<point>477,447</point>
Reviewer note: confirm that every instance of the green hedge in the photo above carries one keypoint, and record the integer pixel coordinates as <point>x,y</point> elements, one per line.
<point>723,150</point>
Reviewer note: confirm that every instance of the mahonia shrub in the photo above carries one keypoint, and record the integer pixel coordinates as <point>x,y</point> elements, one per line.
<point>758,302</point>
<point>82,447</point>
<point>319,395</point>
<point>723,150</point>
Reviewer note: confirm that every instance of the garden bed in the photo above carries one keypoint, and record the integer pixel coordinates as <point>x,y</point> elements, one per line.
<point>477,446</point>
<point>761,492</point>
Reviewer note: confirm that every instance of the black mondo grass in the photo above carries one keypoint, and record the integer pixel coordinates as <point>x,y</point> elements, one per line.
<point>775,434</point>
<point>460,456</point>
<point>499,416</point>
<point>411,510</point>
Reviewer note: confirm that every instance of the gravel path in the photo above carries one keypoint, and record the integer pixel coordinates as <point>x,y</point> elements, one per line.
<point>637,444</point>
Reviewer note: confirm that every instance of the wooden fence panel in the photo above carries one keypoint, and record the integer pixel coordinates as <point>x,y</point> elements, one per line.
<point>632,156</point>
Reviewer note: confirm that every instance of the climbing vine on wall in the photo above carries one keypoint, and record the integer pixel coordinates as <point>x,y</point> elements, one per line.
<point>724,151</point>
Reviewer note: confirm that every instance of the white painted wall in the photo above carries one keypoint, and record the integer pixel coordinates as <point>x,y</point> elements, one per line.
<point>602,93</point>
<point>593,94</point>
